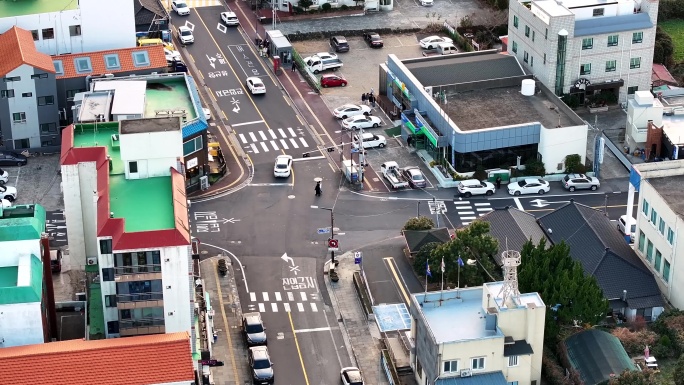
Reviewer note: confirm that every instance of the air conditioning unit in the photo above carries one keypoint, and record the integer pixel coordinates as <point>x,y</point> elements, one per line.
<point>92,260</point>
<point>466,373</point>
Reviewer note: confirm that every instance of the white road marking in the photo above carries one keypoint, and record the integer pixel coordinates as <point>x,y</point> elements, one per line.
<point>265,295</point>
<point>246,123</point>
<point>485,209</point>
<point>325,329</point>
<point>243,139</point>
<point>303,142</point>
<point>278,297</point>
<point>284,144</point>
<point>282,133</point>
<point>291,131</point>
<point>290,296</point>
<point>273,135</point>
<point>252,297</point>
<point>264,146</point>
<point>462,218</point>
<point>263,136</point>
<point>466,212</point>
<point>262,308</point>
<point>303,295</point>
<point>275,146</point>
<point>462,203</point>
<point>294,143</point>
<point>254,149</point>
<point>314,307</point>
<point>254,138</point>
<point>481,204</point>
<point>274,307</point>
<point>300,307</point>
<point>518,204</point>
<point>287,307</point>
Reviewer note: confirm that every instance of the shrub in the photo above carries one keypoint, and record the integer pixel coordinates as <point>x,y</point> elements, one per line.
<point>305,3</point>
<point>635,342</point>
<point>571,101</point>
<point>457,176</point>
<point>534,167</point>
<point>326,7</point>
<point>433,163</point>
<point>419,223</point>
<point>554,373</point>
<point>480,173</point>
<point>344,7</point>
<point>573,164</point>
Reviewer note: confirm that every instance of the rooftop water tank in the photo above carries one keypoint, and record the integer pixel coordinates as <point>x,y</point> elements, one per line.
<point>527,87</point>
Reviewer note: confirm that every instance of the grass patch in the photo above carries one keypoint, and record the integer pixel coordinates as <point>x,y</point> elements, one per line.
<point>394,131</point>
<point>675,28</point>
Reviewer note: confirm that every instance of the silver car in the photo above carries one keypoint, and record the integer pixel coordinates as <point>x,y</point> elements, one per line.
<point>574,182</point>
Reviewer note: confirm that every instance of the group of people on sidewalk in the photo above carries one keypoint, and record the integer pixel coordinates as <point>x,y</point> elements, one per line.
<point>368,98</point>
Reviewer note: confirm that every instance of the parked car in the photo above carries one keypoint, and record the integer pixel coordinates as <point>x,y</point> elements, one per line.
<point>253,329</point>
<point>255,85</point>
<point>56,260</point>
<point>529,186</point>
<point>331,80</point>
<point>9,158</point>
<point>283,166</point>
<point>339,44</point>
<point>414,176</point>
<point>4,176</point>
<point>470,187</point>
<point>207,113</point>
<point>315,64</point>
<point>8,192</point>
<point>373,39</point>
<point>351,376</point>
<point>261,365</point>
<point>627,226</point>
<point>229,18</point>
<point>185,35</point>
<point>349,110</point>
<point>426,3</point>
<point>431,42</point>
<point>180,7</point>
<point>171,56</point>
<point>574,182</point>
<point>321,56</point>
<point>369,140</point>
<point>361,121</point>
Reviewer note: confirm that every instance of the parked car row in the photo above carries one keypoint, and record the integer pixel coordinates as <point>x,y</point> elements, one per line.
<point>571,182</point>
<point>260,362</point>
<point>340,44</point>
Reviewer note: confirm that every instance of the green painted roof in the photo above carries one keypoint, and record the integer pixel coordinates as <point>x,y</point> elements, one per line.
<point>32,7</point>
<point>10,293</point>
<point>95,313</point>
<point>20,223</point>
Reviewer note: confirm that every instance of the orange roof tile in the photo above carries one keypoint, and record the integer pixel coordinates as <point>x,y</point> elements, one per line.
<point>97,61</point>
<point>17,48</point>
<point>142,360</point>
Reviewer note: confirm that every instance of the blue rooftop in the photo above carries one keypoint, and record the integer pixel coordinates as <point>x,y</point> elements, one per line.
<point>496,378</point>
<point>392,317</point>
<point>612,24</point>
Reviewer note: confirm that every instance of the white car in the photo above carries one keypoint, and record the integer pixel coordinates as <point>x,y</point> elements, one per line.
<point>207,113</point>
<point>180,7</point>
<point>529,186</point>
<point>185,35</point>
<point>426,3</point>
<point>361,121</point>
<point>4,176</point>
<point>431,42</point>
<point>283,166</point>
<point>627,226</point>
<point>369,140</point>
<point>229,18</point>
<point>255,85</point>
<point>470,187</point>
<point>349,110</point>
<point>172,55</point>
<point>351,376</point>
<point>322,56</point>
<point>8,192</point>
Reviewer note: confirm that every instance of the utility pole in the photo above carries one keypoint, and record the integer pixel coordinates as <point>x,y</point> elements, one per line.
<point>418,210</point>
<point>332,230</point>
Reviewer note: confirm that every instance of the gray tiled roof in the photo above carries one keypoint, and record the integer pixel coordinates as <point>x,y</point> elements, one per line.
<point>464,69</point>
<point>512,228</point>
<point>603,253</point>
<point>602,25</point>
<point>146,10</point>
<point>415,239</point>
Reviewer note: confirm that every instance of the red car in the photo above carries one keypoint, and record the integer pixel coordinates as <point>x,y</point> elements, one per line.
<point>330,80</point>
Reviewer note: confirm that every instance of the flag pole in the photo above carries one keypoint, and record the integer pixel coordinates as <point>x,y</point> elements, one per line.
<point>441,290</point>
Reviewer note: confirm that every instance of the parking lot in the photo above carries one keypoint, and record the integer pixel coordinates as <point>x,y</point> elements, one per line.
<point>38,182</point>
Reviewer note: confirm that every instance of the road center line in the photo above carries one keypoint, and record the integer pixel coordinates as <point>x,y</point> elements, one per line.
<point>325,329</point>
<point>299,352</point>
<point>390,264</point>
<point>247,123</point>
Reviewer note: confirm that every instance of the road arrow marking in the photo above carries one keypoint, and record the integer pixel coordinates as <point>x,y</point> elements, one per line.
<point>211,61</point>
<point>287,259</point>
<point>539,203</point>
<point>222,221</point>
<point>236,103</point>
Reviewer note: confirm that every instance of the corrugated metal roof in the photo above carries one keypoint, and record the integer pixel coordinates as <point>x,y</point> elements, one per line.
<point>496,378</point>
<point>603,25</point>
<point>200,123</point>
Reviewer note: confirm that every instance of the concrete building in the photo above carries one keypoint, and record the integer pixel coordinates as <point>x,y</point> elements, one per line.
<point>126,210</point>
<point>585,47</point>
<point>23,307</point>
<point>498,339</point>
<point>67,26</point>
<point>641,110</point>
<point>28,110</point>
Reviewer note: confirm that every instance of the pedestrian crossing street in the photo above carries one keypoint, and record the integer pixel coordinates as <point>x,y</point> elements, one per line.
<point>272,140</point>
<point>287,302</point>
<point>469,211</point>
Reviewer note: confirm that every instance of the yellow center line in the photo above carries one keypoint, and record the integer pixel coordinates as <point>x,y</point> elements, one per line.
<point>301,360</point>
<point>225,322</point>
<point>390,264</point>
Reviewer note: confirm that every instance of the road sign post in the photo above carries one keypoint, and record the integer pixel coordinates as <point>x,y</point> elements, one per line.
<point>333,245</point>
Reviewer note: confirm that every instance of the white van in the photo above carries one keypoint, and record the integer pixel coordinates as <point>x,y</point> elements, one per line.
<point>370,140</point>
<point>446,49</point>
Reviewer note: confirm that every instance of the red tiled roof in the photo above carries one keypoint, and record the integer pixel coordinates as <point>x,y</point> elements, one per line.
<point>17,48</point>
<point>97,61</point>
<point>660,75</point>
<point>152,359</point>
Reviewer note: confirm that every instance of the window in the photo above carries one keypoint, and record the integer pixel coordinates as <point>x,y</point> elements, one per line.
<point>637,37</point>
<point>113,327</point>
<point>105,246</point>
<point>512,361</point>
<point>649,251</point>
<point>7,94</point>
<point>108,274</point>
<point>21,143</point>
<point>71,93</point>
<point>110,300</point>
<point>141,59</point>
<point>526,57</point>
<point>46,128</point>
<point>588,43</point>
<point>597,12</point>
<point>527,31</point>
<point>34,33</point>
<point>515,47</point>
<point>133,167</point>
<point>27,95</point>
<point>59,68</point>
<point>39,76</point>
<point>654,216</point>
<point>533,35</point>
<point>644,208</point>
<point>642,241</point>
<point>585,69</point>
<point>612,40</point>
<point>82,64</point>
<point>544,59</point>
<point>515,21</point>
<point>546,34</point>
<point>611,65</point>
<point>661,226</point>
<point>192,145</point>
<point>478,363</point>
<point>48,33</point>
<point>658,260</point>
<point>134,291</point>
<point>46,100</point>
<point>19,117</point>
<point>112,62</point>
<point>74,30</point>
<point>670,236</point>
<point>632,90</point>
<point>450,366</point>
<point>12,79</point>
<point>635,62</point>
<point>531,61</point>
<point>46,143</point>
<point>666,271</point>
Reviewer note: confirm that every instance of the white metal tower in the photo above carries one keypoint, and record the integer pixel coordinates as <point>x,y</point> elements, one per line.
<point>511,261</point>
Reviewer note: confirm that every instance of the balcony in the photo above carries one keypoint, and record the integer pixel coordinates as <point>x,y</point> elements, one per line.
<point>141,326</point>
<point>139,300</point>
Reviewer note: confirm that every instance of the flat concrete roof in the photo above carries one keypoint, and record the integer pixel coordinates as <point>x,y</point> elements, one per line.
<point>129,95</point>
<point>673,127</point>
<point>138,126</point>
<point>169,97</point>
<point>94,105</point>
<point>670,188</point>
<point>552,8</point>
<point>497,107</point>
<point>32,7</point>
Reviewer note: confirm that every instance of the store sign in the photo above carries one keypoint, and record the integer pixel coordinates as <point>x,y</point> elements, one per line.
<point>582,83</point>
<point>191,163</point>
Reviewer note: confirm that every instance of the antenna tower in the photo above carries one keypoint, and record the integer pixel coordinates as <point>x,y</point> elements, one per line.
<point>511,261</point>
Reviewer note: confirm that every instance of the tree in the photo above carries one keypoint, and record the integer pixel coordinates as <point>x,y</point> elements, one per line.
<point>305,4</point>
<point>678,374</point>
<point>423,256</point>
<point>634,377</point>
<point>419,223</point>
<point>573,164</point>
<point>663,49</point>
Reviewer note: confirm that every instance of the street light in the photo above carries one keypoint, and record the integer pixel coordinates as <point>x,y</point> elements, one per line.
<point>332,229</point>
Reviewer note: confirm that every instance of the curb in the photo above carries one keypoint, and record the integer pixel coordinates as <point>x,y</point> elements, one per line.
<point>343,328</point>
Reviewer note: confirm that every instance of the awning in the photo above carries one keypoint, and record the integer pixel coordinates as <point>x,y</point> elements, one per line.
<point>605,85</point>
<point>519,348</point>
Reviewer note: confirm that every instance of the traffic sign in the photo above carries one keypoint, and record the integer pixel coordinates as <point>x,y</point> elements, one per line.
<point>358,256</point>
<point>333,245</point>
<point>324,230</point>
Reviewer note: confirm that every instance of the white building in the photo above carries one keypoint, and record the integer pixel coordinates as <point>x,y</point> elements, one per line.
<point>585,47</point>
<point>641,109</point>
<point>71,26</point>
<point>475,332</point>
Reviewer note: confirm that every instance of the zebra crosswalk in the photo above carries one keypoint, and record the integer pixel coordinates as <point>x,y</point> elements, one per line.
<point>288,302</point>
<point>469,211</point>
<point>272,140</point>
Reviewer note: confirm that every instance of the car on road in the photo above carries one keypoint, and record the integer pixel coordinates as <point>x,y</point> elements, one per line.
<point>351,375</point>
<point>574,182</point>
<point>627,226</point>
<point>229,18</point>
<point>331,80</point>
<point>349,110</point>
<point>339,44</point>
<point>261,365</point>
<point>431,42</point>
<point>255,85</point>
<point>369,140</point>
<point>414,176</point>
<point>529,186</point>
<point>361,121</point>
<point>283,166</point>
<point>373,39</point>
<point>4,176</point>
<point>253,329</point>
<point>9,158</point>
<point>8,192</point>
<point>180,7</point>
<point>470,187</point>
<point>207,113</point>
<point>185,35</point>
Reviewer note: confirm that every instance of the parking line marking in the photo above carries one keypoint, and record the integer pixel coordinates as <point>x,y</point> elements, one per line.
<point>314,307</point>
<point>294,143</point>
<point>465,223</point>
<point>275,146</point>
<point>265,295</point>
<point>254,149</point>
<point>243,139</point>
<point>300,307</point>
<point>262,308</point>
<point>303,295</point>
<point>273,135</point>
<point>264,146</point>
<point>252,297</point>
<point>278,297</point>
<point>324,329</point>
<point>263,136</point>
<point>284,144</point>
<point>303,142</point>
<point>287,307</point>
<point>290,296</point>
<point>254,138</point>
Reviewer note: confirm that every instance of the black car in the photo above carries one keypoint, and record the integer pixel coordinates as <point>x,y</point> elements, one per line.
<point>253,329</point>
<point>8,158</point>
<point>261,365</point>
<point>339,44</point>
<point>373,39</point>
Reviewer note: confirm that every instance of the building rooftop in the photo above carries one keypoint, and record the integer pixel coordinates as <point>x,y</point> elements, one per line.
<point>670,188</point>
<point>551,7</point>
<point>137,126</point>
<point>673,127</point>
<point>172,95</point>
<point>23,222</point>
<point>612,24</point>
<point>94,106</point>
<point>22,283</point>
<point>22,8</point>
<point>17,47</point>
<point>523,300</point>
<point>129,96</point>
<point>155,53</point>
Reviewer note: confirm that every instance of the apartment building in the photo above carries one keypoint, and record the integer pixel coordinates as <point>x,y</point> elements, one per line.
<point>585,47</point>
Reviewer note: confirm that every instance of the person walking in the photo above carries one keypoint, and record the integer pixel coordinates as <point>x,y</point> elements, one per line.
<point>409,140</point>
<point>363,98</point>
<point>294,66</point>
<point>371,99</point>
<point>498,182</point>
<point>318,189</point>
